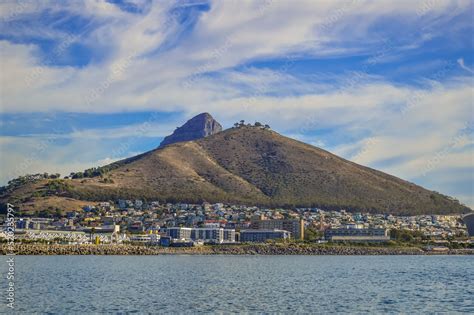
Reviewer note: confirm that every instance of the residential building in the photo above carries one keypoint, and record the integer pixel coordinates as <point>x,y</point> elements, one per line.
<point>208,235</point>
<point>122,204</point>
<point>294,226</point>
<point>263,235</point>
<point>355,233</point>
<point>229,235</point>
<point>205,234</point>
<point>179,233</point>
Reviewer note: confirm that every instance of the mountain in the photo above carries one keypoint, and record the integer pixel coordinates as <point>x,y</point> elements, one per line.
<point>200,126</point>
<point>245,165</point>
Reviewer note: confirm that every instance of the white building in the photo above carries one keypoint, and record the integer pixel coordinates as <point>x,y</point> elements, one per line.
<point>205,234</point>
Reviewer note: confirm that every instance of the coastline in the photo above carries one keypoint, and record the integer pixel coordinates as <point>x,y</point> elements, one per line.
<point>244,249</point>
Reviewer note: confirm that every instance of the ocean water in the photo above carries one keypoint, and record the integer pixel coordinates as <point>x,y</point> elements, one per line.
<point>253,284</point>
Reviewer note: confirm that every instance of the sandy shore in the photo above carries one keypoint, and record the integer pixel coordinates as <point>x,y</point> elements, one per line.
<point>254,249</point>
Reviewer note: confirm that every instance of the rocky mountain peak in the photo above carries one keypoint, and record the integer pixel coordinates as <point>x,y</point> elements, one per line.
<point>200,126</point>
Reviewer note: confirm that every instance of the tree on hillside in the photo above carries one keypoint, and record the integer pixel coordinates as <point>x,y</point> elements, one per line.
<point>77,175</point>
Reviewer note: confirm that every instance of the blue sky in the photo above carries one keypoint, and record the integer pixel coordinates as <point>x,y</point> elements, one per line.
<point>387,84</point>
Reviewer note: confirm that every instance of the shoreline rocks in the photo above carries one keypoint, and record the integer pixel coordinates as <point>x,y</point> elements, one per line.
<point>244,249</point>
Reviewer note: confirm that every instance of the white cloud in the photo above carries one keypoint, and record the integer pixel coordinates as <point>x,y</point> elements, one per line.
<point>229,34</point>
<point>151,62</point>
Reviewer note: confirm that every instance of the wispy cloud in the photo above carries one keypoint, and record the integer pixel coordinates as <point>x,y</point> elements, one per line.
<point>461,63</point>
<point>332,73</point>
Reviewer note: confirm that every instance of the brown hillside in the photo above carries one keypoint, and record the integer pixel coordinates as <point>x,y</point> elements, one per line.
<point>255,166</point>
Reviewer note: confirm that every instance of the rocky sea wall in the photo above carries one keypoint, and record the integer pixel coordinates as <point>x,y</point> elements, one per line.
<point>253,249</point>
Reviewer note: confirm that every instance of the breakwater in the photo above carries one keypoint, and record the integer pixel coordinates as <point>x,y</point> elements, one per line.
<point>244,249</point>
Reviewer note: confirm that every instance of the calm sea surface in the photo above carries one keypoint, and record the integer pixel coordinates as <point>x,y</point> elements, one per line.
<point>287,284</point>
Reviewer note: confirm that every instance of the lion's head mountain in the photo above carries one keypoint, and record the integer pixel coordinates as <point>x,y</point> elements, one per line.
<point>245,164</point>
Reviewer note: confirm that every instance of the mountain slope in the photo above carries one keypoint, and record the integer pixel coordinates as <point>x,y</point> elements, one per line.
<point>255,166</point>
<point>292,172</point>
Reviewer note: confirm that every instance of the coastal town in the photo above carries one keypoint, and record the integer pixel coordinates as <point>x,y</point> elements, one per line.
<point>186,225</point>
